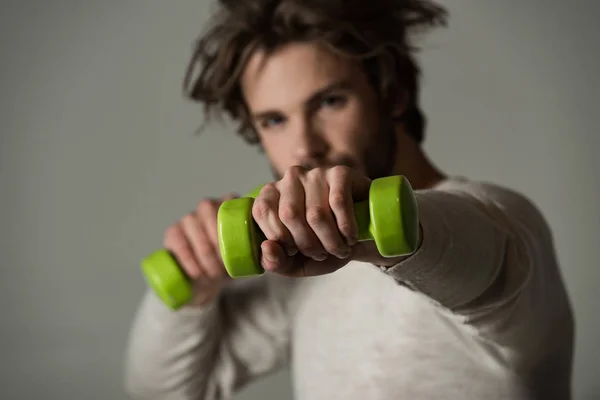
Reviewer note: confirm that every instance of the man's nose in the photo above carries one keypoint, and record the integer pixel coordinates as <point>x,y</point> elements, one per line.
<point>310,145</point>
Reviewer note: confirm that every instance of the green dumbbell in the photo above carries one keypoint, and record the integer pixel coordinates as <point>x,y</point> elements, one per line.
<point>389,217</point>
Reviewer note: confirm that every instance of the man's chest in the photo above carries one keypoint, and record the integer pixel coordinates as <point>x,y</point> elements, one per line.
<point>359,334</point>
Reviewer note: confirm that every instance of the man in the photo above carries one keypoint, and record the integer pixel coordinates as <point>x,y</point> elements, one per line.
<point>329,90</point>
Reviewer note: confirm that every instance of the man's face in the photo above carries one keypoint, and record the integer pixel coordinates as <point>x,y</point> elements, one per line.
<point>313,108</point>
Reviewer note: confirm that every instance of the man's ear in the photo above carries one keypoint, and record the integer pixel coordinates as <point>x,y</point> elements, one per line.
<point>400,105</point>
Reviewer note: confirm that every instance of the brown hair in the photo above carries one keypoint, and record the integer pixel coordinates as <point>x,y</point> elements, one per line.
<point>372,31</point>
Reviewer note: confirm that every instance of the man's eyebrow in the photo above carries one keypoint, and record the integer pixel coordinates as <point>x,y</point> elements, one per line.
<point>313,98</point>
<point>337,85</point>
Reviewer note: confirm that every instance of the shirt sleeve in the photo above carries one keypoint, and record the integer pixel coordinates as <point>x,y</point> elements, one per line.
<point>466,239</point>
<point>207,352</point>
<point>487,255</point>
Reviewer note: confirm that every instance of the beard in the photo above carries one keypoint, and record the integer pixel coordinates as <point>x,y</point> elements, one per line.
<point>377,160</point>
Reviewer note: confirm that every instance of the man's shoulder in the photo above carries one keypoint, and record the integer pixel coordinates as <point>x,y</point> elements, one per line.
<point>486,190</point>
<point>516,205</point>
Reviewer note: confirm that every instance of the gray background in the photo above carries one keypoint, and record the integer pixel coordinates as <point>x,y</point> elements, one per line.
<point>98,156</point>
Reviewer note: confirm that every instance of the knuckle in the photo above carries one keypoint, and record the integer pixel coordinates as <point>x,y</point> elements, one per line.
<point>260,209</point>
<point>268,188</point>
<point>340,169</point>
<point>339,173</point>
<point>316,215</point>
<point>345,226</point>
<point>337,200</point>
<point>206,205</point>
<point>188,220</point>
<point>317,172</point>
<point>288,213</point>
<point>172,231</point>
<point>173,235</point>
<point>229,196</point>
<point>278,234</point>
<point>294,172</point>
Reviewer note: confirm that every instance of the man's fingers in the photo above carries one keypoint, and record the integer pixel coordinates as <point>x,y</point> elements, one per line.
<point>320,216</point>
<point>178,245</point>
<point>207,257</point>
<point>292,213</point>
<point>265,212</point>
<point>275,259</point>
<point>341,201</point>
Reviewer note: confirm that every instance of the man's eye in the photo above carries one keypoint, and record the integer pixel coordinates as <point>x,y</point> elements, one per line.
<point>332,101</point>
<point>273,121</point>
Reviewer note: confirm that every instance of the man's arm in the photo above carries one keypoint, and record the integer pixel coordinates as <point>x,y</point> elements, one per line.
<point>487,255</point>
<point>470,235</point>
<point>207,352</point>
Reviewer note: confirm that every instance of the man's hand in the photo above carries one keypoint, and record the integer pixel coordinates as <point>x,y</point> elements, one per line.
<point>194,242</point>
<point>308,220</point>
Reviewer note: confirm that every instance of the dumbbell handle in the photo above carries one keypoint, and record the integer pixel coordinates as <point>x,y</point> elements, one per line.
<point>362,212</point>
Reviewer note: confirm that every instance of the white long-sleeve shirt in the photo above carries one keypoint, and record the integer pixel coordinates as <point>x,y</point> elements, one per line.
<point>479,311</point>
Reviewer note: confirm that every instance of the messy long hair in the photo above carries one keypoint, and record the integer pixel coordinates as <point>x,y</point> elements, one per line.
<point>375,32</point>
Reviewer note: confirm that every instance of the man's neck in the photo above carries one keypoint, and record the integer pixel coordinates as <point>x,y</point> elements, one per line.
<point>413,163</point>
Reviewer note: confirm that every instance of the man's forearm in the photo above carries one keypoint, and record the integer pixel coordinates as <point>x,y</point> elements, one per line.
<point>461,249</point>
<point>208,351</point>
<point>170,353</point>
